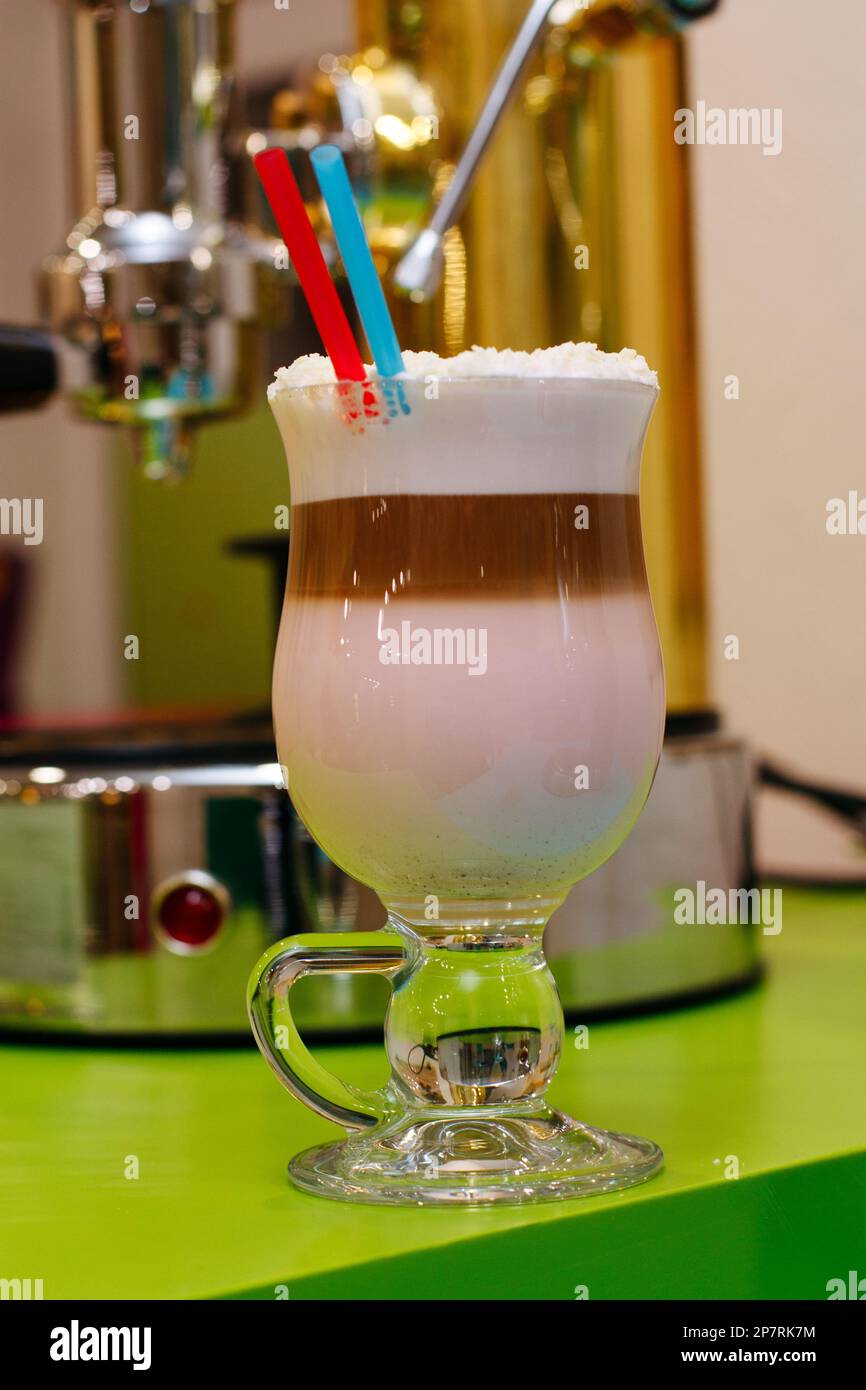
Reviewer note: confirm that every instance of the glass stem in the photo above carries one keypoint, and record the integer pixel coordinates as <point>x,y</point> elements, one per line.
<point>474,1019</point>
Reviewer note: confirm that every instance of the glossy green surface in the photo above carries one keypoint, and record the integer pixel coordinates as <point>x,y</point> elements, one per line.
<point>774,1077</point>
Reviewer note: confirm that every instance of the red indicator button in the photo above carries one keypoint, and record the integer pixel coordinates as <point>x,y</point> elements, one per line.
<point>189,912</point>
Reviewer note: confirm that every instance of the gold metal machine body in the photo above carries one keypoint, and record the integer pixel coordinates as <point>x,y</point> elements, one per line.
<point>578,224</point>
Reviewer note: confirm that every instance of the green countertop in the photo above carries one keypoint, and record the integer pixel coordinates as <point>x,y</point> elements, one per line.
<point>773,1078</point>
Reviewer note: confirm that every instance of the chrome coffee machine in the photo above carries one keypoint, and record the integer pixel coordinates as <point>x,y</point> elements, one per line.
<point>143,868</point>
<point>172,857</point>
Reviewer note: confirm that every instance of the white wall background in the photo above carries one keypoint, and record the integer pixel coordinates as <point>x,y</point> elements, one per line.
<point>781,246</point>
<point>72,659</point>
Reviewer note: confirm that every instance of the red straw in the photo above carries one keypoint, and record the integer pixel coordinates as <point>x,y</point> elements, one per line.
<point>294,223</point>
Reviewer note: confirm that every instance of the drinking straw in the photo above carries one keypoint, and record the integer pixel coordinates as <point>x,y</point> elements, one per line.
<point>364,282</point>
<point>287,205</point>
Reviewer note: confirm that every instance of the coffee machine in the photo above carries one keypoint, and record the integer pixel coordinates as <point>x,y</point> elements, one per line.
<point>175,857</point>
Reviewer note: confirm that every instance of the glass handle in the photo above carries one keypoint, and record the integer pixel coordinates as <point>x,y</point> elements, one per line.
<point>274,1029</point>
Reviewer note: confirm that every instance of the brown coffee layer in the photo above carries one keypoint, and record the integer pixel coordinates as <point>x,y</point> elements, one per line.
<point>515,545</point>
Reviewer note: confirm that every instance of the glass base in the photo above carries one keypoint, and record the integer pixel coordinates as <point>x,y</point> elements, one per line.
<point>431,1159</point>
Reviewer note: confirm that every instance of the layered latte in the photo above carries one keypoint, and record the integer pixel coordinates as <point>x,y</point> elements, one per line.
<point>468,692</point>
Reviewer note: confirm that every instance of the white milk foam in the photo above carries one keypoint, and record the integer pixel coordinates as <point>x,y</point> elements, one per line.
<point>565,419</point>
<point>569,360</point>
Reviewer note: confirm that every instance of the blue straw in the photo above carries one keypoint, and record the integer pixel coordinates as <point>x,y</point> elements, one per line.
<point>366,288</point>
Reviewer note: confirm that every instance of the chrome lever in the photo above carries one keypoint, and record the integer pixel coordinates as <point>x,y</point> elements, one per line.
<point>419,272</point>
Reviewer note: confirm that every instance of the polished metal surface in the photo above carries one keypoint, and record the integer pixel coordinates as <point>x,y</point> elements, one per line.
<point>615,944</point>
<point>160,291</point>
<point>578,227</point>
<point>89,858</point>
<point>420,271</point>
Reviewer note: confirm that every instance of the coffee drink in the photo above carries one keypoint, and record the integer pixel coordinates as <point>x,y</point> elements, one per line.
<point>469,705</point>
<point>461,684</point>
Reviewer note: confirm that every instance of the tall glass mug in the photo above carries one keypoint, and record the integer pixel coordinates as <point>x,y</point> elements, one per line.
<point>469,705</point>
